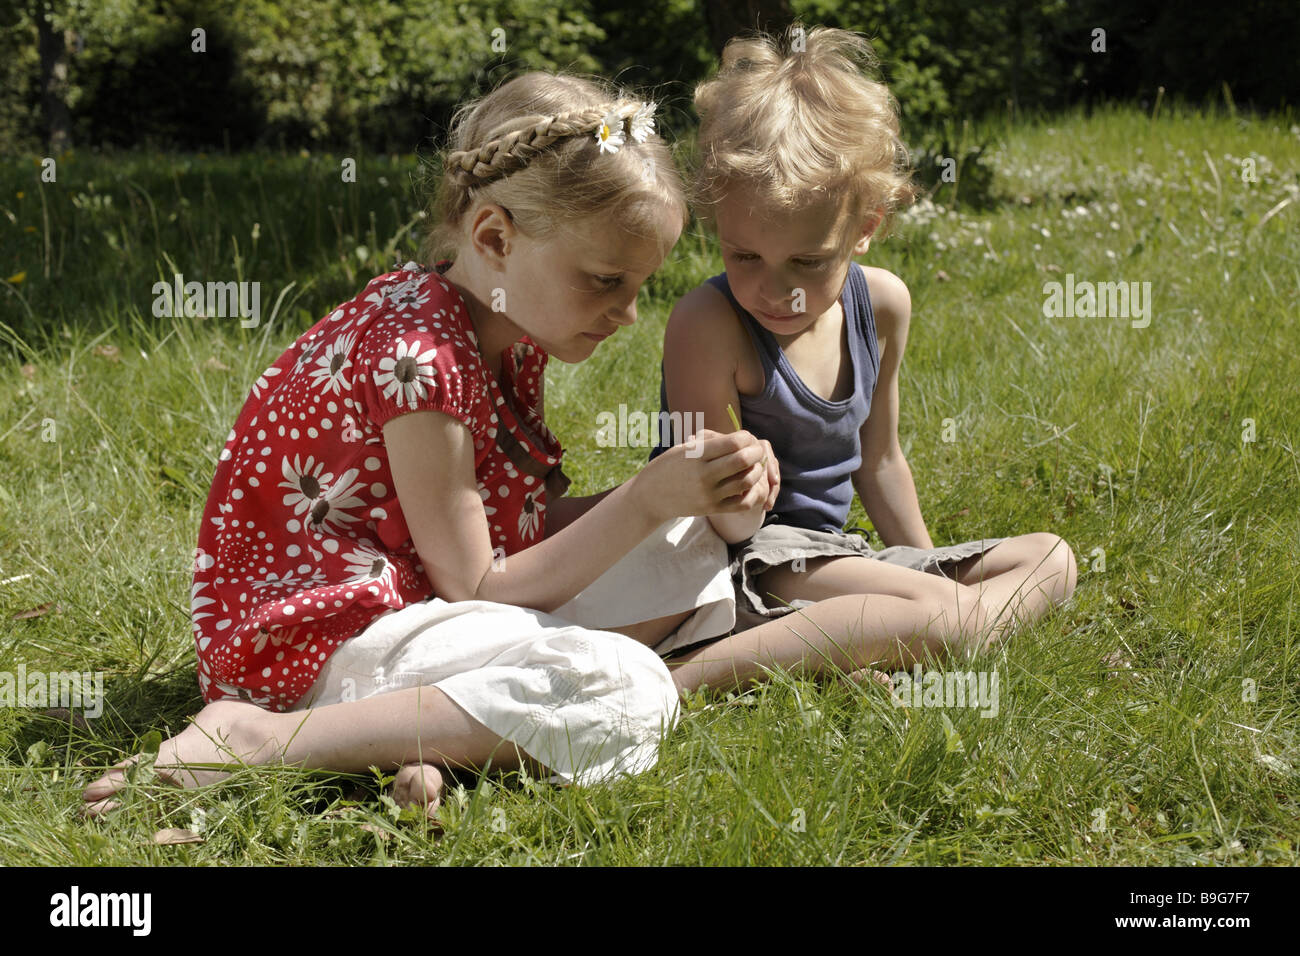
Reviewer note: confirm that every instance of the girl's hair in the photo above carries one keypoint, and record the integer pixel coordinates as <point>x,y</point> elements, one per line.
<point>530,146</point>
<point>800,121</point>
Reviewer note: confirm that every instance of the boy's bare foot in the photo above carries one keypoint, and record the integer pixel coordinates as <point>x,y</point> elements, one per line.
<point>419,785</point>
<point>223,733</point>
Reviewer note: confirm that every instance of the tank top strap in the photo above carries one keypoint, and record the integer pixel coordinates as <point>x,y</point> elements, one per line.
<point>861,321</point>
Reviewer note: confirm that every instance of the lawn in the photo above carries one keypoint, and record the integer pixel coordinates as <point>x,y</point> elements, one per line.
<point>1153,720</point>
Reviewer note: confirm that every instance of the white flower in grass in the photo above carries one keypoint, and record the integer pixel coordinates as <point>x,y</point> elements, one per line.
<point>643,122</point>
<point>609,134</point>
<point>530,518</point>
<point>263,381</point>
<point>407,373</point>
<point>330,373</point>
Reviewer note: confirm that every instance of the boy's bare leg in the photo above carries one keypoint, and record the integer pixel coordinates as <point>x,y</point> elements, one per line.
<point>1022,579</point>
<point>847,632</point>
<point>415,726</point>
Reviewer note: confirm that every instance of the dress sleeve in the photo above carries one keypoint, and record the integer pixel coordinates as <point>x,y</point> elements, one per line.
<point>405,363</point>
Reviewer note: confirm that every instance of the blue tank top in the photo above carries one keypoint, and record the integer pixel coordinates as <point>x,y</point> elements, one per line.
<point>816,441</point>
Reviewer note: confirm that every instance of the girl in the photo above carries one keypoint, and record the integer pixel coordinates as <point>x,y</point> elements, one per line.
<point>384,540</point>
<point>801,162</point>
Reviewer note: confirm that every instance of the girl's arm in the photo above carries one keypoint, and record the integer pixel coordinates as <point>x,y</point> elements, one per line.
<point>701,352</point>
<point>431,456</point>
<point>884,482</point>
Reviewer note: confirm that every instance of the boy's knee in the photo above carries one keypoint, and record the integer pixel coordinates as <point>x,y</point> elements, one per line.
<point>1055,560</point>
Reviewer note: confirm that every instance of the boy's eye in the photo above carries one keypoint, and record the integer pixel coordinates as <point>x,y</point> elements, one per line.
<point>810,263</point>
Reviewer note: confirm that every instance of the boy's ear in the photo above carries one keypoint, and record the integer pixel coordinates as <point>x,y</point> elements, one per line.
<point>491,233</point>
<point>869,228</point>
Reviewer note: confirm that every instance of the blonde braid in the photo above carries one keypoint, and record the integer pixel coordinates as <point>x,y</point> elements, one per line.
<point>511,152</point>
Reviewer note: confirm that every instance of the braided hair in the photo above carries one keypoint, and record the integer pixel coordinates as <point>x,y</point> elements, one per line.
<point>530,146</point>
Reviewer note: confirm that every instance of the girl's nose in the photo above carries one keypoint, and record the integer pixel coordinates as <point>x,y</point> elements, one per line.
<point>626,315</point>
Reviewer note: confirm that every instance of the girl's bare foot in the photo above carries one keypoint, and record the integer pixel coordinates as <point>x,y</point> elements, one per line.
<point>867,675</point>
<point>419,785</point>
<point>224,734</point>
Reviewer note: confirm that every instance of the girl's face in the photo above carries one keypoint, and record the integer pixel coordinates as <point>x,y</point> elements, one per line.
<point>785,268</point>
<point>577,288</point>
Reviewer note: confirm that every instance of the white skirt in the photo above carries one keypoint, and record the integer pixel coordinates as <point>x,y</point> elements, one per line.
<point>586,703</point>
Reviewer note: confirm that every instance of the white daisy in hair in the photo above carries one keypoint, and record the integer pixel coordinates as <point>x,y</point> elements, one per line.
<point>643,122</point>
<point>407,373</point>
<point>330,373</point>
<point>609,134</point>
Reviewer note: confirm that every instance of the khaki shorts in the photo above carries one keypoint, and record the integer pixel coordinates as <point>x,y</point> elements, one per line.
<point>776,544</point>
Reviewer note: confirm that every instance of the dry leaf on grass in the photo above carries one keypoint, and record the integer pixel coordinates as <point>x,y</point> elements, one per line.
<point>174,836</point>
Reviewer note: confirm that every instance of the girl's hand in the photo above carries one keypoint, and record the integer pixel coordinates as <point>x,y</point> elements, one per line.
<point>710,473</point>
<point>773,476</point>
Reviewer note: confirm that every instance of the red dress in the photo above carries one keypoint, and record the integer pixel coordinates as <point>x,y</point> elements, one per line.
<point>303,542</point>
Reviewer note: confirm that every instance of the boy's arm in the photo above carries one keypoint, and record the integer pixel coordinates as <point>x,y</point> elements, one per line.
<point>700,361</point>
<point>884,482</point>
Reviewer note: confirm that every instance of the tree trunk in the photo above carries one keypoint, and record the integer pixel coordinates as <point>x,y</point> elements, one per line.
<point>54,82</point>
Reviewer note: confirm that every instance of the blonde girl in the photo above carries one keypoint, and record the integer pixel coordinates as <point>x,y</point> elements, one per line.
<point>388,573</point>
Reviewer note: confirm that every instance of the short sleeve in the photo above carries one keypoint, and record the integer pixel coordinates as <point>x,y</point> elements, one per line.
<point>411,355</point>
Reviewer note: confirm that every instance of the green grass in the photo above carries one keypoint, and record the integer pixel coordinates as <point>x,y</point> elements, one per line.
<point>1124,441</point>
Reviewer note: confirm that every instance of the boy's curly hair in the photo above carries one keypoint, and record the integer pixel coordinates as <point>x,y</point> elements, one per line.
<point>530,146</point>
<point>799,118</point>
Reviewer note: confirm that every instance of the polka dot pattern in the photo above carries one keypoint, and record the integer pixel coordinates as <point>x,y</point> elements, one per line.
<point>303,542</point>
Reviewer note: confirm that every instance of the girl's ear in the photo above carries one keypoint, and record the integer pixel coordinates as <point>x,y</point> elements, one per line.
<point>491,232</point>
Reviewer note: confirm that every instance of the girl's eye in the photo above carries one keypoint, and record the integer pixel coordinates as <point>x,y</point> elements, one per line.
<point>743,256</point>
<point>609,281</point>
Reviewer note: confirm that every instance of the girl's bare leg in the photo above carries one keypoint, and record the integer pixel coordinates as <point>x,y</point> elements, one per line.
<point>415,726</point>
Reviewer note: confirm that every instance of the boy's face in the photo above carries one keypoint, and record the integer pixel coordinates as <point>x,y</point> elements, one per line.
<point>778,260</point>
<point>579,286</point>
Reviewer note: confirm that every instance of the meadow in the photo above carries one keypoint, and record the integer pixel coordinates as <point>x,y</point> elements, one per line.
<point>1152,720</point>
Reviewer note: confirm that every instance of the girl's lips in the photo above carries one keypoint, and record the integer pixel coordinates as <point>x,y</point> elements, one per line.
<point>597,336</point>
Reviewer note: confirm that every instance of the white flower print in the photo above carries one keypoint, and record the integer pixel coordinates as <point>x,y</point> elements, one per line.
<point>290,582</point>
<point>330,373</point>
<point>530,518</point>
<point>305,481</point>
<point>197,602</point>
<point>406,373</point>
<point>332,505</point>
<point>368,565</point>
<point>263,381</point>
<point>324,500</point>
